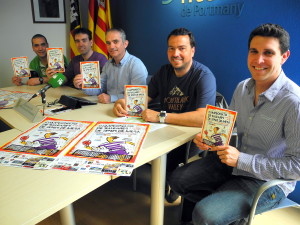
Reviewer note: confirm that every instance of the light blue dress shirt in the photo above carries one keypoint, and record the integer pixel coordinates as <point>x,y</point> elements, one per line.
<point>130,71</point>
<point>269,132</point>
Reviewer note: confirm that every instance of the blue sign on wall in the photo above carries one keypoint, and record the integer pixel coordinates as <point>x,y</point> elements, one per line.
<point>197,8</point>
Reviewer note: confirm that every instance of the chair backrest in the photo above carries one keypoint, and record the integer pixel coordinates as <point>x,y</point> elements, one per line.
<point>221,101</point>
<point>283,204</point>
<point>148,79</point>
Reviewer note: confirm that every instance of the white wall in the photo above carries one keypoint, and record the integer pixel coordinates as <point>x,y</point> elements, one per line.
<point>17,28</point>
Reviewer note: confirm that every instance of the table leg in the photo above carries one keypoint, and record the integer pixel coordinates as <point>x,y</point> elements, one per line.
<point>67,215</point>
<point>158,180</point>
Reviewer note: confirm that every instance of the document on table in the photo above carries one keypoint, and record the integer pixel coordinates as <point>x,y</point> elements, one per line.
<point>153,126</point>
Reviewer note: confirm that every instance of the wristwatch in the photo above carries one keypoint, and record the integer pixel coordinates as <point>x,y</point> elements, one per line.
<point>41,80</point>
<point>162,116</point>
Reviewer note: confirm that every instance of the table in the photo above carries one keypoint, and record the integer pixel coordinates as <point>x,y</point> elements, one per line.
<point>155,147</point>
<point>28,196</point>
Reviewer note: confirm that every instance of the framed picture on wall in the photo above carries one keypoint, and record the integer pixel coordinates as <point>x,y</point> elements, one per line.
<point>48,11</point>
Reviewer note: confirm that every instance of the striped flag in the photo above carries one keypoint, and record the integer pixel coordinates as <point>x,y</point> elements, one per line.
<point>75,22</point>
<point>92,16</point>
<point>103,24</point>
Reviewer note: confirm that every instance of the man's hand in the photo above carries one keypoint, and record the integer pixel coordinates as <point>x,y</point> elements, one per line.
<point>104,98</point>
<point>227,154</point>
<point>199,143</point>
<point>16,80</point>
<point>78,81</point>
<point>150,115</point>
<point>50,72</point>
<point>119,108</point>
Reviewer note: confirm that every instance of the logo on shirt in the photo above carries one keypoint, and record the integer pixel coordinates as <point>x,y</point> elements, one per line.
<point>176,100</point>
<point>176,91</point>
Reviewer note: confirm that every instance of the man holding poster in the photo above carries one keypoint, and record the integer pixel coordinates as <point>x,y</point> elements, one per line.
<point>268,127</point>
<point>38,64</point>
<point>122,69</point>
<point>84,43</point>
<point>184,88</point>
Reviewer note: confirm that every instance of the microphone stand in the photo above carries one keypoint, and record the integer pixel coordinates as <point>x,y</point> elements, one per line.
<point>43,96</point>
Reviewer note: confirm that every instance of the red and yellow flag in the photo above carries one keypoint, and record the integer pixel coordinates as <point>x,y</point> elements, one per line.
<point>103,23</point>
<point>75,22</point>
<point>92,16</point>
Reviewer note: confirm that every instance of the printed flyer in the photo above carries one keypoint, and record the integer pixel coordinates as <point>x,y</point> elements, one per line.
<point>9,98</point>
<point>108,148</point>
<point>56,59</point>
<point>217,126</point>
<point>136,99</point>
<point>80,146</point>
<point>90,74</point>
<point>42,143</point>
<point>20,66</point>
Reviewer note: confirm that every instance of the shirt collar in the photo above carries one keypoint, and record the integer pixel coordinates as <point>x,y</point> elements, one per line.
<point>123,61</point>
<point>271,93</point>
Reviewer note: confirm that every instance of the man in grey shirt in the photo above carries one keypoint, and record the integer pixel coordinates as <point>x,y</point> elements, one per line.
<point>122,69</point>
<point>220,188</point>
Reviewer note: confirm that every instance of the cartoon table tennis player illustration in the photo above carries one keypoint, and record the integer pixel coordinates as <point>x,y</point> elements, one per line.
<point>136,109</point>
<point>57,64</point>
<point>114,147</point>
<point>22,72</point>
<point>48,142</point>
<point>216,137</point>
<point>91,80</point>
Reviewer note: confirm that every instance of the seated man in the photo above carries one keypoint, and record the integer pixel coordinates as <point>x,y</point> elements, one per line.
<point>84,42</point>
<point>221,186</point>
<point>184,88</point>
<point>122,69</point>
<point>39,63</point>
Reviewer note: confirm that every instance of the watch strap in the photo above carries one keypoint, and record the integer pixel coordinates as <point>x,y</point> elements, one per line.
<point>41,79</point>
<point>162,116</point>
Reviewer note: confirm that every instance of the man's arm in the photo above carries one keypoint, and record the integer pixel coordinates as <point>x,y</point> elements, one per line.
<point>36,81</point>
<point>191,119</point>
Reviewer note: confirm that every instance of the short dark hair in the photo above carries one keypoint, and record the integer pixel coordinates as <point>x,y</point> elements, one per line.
<point>120,30</point>
<point>83,30</point>
<point>183,31</point>
<point>38,36</point>
<point>272,30</point>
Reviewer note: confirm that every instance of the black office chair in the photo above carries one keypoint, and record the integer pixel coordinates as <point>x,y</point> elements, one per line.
<point>221,101</point>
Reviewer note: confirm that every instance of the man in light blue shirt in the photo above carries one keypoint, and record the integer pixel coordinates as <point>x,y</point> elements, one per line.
<point>122,69</point>
<point>268,126</point>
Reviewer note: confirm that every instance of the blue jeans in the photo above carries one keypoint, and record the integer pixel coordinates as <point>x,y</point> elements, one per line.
<point>221,198</point>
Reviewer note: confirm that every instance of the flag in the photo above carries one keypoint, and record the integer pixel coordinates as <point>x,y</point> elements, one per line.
<point>75,22</point>
<point>92,16</point>
<point>103,24</point>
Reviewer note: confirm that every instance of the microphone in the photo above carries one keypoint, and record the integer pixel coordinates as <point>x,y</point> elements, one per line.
<point>55,81</point>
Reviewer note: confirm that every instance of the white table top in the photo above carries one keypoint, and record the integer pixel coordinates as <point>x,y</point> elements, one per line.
<point>36,194</point>
<point>28,196</point>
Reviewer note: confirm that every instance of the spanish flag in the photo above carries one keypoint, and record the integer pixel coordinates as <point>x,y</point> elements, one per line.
<point>75,22</point>
<point>103,23</point>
